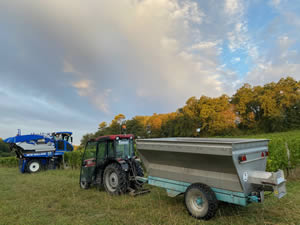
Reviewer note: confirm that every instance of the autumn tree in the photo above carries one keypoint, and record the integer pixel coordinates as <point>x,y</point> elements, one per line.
<point>137,126</point>
<point>216,115</point>
<point>272,107</point>
<point>246,105</point>
<point>102,129</point>
<point>116,123</point>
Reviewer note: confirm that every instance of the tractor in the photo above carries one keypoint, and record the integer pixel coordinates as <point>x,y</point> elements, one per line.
<point>109,162</point>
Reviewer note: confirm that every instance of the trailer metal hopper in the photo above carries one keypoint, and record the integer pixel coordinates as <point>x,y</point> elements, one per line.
<point>208,170</point>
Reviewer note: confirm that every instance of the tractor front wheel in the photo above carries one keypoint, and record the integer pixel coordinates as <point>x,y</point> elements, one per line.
<point>84,185</point>
<point>115,179</point>
<point>34,166</point>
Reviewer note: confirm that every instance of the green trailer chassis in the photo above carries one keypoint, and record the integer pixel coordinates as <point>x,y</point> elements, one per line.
<point>175,188</point>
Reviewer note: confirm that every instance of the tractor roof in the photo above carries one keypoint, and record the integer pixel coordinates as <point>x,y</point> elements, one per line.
<point>113,137</point>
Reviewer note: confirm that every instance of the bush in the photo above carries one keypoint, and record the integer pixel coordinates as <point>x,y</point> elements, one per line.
<point>9,161</point>
<point>73,159</point>
<point>294,148</point>
<point>277,155</point>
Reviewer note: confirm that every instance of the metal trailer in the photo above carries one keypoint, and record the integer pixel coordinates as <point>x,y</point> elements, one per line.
<point>40,151</point>
<point>208,170</point>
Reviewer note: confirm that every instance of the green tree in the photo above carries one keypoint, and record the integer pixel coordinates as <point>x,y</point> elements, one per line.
<point>4,149</point>
<point>136,126</point>
<point>85,139</point>
<point>116,123</point>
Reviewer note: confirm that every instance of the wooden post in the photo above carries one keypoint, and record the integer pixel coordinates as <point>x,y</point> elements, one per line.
<point>288,157</point>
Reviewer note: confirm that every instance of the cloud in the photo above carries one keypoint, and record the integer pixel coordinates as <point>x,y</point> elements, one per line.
<point>83,84</point>
<point>94,59</point>
<point>275,3</point>
<point>148,42</point>
<point>236,60</point>
<point>149,51</point>
<point>232,7</point>
<point>99,99</point>
<point>281,58</point>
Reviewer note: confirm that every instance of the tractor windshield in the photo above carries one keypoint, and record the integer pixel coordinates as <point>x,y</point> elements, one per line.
<point>124,148</point>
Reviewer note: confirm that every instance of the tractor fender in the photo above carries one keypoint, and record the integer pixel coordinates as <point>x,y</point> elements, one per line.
<point>124,165</point>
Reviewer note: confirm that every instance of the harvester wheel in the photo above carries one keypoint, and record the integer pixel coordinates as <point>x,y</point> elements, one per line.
<point>115,179</point>
<point>34,166</point>
<point>200,201</point>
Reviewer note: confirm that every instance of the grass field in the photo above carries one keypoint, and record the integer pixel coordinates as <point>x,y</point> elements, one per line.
<point>54,197</point>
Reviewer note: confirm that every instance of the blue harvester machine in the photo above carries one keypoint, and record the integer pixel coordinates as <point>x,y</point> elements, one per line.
<point>40,151</point>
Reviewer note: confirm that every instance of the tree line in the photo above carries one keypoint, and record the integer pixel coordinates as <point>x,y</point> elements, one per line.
<point>252,109</point>
<point>4,149</point>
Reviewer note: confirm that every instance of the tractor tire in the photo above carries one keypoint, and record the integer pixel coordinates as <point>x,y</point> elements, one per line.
<point>200,201</point>
<point>85,185</point>
<point>99,180</point>
<point>139,169</point>
<point>115,179</point>
<point>34,166</point>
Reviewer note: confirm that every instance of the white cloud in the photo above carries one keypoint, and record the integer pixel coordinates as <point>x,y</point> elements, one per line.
<point>275,3</point>
<point>163,51</point>
<point>232,6</point>
<point>282,58</point>
<point>150,40</point>
<point>236,60</point>
<point>85,88</point>
<point>204,45</point>
<point>83,84</point>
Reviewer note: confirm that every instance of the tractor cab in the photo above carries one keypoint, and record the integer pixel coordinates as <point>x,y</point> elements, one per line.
<point>110,161</point>
<point>121,148</point>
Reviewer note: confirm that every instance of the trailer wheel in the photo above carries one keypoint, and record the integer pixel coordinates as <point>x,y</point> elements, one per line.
<point>200,201</point>
<point>115,179</point>
<point>34,166</point>
<point>84,185</point>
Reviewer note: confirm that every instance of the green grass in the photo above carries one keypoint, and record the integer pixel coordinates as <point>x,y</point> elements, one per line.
<point>285,134</point>
<point>54,197</point>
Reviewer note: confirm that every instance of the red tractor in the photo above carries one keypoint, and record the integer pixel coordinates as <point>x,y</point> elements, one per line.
<point>110,162</point>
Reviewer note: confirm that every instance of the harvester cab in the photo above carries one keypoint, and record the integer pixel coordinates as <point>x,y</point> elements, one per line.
<point>110,162</point>
<point>63,135</point>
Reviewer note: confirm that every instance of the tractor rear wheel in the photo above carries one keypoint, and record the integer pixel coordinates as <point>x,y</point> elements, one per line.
<point>34,166</point>
<point>115,179</point>
<point>200,201</point>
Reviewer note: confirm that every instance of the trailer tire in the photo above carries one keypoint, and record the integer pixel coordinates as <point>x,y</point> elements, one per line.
<point>200,201</point>
<point>115,179</point>
<point>34,166</point>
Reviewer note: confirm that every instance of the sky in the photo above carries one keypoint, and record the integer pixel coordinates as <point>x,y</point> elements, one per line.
<point>71,64</point>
